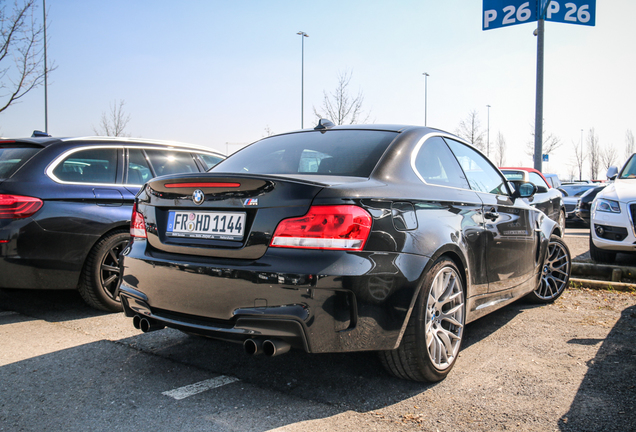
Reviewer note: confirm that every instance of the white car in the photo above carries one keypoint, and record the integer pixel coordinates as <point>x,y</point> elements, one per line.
<point>612,215</point>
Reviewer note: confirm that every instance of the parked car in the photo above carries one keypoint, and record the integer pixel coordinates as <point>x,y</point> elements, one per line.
<point>553,180</point>
<point>338,239</point>
<point>584,204</point>
<point>571,195</point>
<point>612,215</point>
<point>548,199</point>
<point>65,206</point>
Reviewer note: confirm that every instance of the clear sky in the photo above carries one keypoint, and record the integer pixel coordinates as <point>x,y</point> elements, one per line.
<point>217,72</point>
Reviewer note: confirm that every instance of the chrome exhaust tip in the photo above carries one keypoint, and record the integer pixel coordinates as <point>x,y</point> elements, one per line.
<point>147,325</point>
<point>253,346</point>
<point>275,347</point>
<point>137,322</point>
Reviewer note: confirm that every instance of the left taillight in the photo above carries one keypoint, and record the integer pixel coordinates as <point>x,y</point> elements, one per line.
<point>18,207</point>
<point>137,224</point>
<point>339,227</point>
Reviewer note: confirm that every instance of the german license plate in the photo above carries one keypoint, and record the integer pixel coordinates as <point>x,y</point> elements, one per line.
<point>206,225</point>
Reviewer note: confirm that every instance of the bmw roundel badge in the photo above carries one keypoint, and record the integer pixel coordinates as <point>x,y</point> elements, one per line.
<point>198,197</point>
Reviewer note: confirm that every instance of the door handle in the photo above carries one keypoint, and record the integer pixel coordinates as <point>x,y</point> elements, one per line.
<point>492,214</point>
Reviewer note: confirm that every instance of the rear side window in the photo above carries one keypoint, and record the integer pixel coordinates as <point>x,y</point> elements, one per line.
<point>352,153</point>
<point>209,160</point>
<point>138,171</point>
<point>12,158</point>
<point>167,162</point>
<point>89,166</point>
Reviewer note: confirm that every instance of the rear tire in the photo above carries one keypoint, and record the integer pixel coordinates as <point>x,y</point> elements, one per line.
<point>433,336</point>
<point>601,255</point>
<point>100,278</point>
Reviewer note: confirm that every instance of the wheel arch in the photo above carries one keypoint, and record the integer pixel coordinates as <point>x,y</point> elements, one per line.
<point>451,252</point>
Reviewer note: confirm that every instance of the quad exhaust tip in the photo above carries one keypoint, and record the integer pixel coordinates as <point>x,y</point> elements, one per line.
<point>146,324</point>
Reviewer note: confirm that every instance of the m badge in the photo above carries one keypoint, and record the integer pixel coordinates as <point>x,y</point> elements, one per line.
<point>251,202</point>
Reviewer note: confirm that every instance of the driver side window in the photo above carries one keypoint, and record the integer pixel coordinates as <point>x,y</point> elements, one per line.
<point>481,175</point>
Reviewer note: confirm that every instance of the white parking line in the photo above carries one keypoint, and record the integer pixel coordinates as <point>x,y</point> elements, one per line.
<point>200,387</point>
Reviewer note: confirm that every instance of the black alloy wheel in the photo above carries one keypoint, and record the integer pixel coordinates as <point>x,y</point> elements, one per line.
<point>100,279</point>
<point>433,337</point>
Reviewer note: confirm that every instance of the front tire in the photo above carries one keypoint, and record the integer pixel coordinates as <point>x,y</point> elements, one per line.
<point>99,282</point>
<point>601,255</point>
<point>433,336</point>
<point>555,272</point>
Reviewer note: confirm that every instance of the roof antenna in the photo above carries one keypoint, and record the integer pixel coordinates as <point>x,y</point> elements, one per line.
<point>39,134</point>
<point>324,124</point>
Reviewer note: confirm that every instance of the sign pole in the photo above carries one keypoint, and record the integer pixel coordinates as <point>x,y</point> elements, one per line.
<point>538,119</point>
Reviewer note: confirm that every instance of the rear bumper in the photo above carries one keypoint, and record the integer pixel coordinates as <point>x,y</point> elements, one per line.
<point>302,297</point>
<point>31,257</point>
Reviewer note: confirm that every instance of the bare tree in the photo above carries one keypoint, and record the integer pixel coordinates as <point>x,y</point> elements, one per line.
<point>630,146</point>
<point>340,107</point>
<point>608,156</point>
<point>470,130</point>
<point>579,158</point>
<point>268,132</point>
<point>593,153</point>
<point>21,51</point>
<point>500,150</point>
<point>114,122</point>
<point>550,143</point>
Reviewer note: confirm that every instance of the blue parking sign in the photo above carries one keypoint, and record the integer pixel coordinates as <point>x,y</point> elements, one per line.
<point>503,13</point>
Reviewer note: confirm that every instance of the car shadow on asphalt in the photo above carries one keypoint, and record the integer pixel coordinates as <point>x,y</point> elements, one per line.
<point>326,378</point>
<point>49,305</point>
<point>344,381</point>
<point>606,399</point>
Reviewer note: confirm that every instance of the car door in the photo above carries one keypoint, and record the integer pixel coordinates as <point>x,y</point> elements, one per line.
<point>512,242</point>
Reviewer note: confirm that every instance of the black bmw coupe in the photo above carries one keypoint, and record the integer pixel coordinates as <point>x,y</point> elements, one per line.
<point>336,239</point>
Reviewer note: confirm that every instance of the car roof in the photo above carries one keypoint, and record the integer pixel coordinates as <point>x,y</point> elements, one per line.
<point>92,140</point>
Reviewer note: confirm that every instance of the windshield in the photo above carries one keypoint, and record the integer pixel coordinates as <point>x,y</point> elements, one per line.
<point>352,153</point>
<point>12,158</point>
<point>576,190</point>
<point>629,170</point>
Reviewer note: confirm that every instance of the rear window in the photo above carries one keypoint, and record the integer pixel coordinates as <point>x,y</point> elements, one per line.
<point>353,153</point>
<point>12,158</point>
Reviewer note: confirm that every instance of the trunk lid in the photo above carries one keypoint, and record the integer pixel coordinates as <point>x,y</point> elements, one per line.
<point>220,215</point>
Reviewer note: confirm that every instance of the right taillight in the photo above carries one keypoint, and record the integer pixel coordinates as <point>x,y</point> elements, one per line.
<point>137,224</point>
<point>337,227</point>
<point>18,207</point>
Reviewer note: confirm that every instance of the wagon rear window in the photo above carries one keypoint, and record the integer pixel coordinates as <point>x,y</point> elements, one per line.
<point>353,153</point>
<point>12,158</point>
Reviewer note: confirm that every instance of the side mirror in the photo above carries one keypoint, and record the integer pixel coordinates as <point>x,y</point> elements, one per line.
<point>541,189</point>
<point>525,190</point>
<point>612,172</point>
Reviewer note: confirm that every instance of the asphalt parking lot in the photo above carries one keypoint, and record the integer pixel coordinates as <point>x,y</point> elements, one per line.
<point>568,366</point>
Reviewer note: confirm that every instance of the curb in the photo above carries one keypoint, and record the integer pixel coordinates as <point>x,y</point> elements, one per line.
<point>602,285</point>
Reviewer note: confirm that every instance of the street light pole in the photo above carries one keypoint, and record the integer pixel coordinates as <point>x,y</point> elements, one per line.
<point>46,72</point>
<point>426,75</point>
<point>488,134</point>
<point>303,35</point>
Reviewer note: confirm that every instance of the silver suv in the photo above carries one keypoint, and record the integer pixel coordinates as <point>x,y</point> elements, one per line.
<point>612,215</point>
